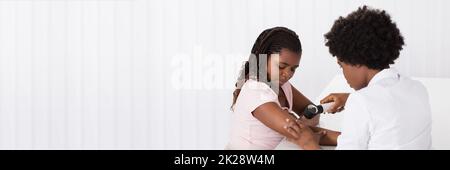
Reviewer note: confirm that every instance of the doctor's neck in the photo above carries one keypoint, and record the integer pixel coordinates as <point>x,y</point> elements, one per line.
<point>370,74</point>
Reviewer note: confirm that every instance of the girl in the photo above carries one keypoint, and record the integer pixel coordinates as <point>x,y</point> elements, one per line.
<point>264,98</point>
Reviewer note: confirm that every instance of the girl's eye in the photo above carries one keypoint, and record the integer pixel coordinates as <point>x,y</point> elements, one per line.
<point>293,69</point>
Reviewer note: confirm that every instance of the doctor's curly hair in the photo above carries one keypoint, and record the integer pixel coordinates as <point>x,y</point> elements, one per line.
<point>365,37</point>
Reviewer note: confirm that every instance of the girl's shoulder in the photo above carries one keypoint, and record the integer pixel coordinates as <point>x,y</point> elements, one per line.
<point>253,90</point>
<point>254,83</point>
<point>252,95</point>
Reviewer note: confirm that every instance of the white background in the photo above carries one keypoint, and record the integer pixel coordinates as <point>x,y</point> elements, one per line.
<point>158,74</point>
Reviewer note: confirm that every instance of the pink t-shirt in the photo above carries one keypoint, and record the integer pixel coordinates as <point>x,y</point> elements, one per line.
<point>247,132</point>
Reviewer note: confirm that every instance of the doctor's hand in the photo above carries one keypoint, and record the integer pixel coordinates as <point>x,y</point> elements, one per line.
<point>303,136</point>
<point>339,100</point>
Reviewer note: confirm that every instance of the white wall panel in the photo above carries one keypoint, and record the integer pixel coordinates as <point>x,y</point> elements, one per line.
<point>158,74</point>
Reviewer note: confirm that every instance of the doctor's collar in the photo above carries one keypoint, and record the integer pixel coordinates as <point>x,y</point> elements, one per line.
<point>385,73</point>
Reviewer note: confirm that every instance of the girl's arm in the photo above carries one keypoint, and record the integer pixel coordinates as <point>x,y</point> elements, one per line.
<point>300,103</point>
<point>271,115</point>
<point>310,137</point>
<point>330,137</point>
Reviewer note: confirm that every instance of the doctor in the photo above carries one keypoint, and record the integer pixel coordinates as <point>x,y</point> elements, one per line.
<point>388,110</point>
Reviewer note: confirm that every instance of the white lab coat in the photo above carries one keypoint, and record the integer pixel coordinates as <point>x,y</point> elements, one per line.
<point>392,112</point>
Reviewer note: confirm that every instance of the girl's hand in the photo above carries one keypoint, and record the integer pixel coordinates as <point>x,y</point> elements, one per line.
<point>303,135</point>
<point>339,100</point>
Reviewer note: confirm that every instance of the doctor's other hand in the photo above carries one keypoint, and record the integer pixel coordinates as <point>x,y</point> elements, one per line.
<point>303,136</point>
<point>339,100</point>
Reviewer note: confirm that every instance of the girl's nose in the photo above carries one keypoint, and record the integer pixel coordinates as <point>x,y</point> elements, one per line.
<point>286,73</point>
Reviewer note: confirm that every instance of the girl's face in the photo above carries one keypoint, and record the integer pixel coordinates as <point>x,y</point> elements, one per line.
<point>286,62</point>
<point>355,75</point>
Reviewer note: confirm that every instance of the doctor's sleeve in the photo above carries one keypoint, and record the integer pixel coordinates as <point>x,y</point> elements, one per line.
<point>355,125</point>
